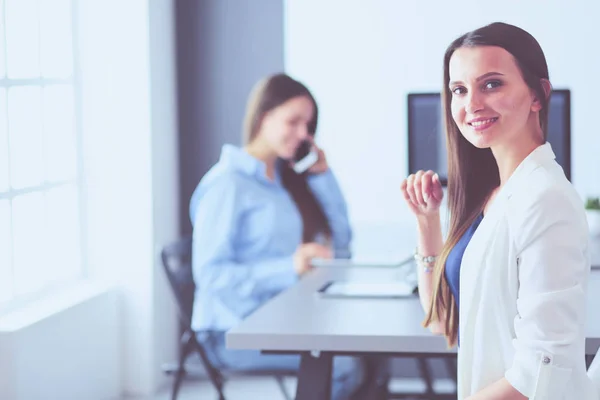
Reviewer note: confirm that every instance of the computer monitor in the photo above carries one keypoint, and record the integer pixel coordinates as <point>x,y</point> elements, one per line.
<point>427,141</point>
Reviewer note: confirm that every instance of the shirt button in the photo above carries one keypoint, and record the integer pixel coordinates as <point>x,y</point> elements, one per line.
<point>546,360</point>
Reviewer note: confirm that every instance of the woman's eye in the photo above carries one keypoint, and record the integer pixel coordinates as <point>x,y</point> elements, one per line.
<point>458,90</point>
<point>492,85</point>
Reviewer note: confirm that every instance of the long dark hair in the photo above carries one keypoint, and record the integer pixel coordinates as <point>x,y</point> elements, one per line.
<point>268,94</point>
<point>473,172</point>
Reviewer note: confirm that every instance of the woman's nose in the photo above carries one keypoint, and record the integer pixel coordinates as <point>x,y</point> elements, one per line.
<point>303,133</point>
<point>474,103</point>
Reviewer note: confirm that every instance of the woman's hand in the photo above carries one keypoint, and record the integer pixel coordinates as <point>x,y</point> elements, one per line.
<point>321,165</point>
<point>423,193</point>
<point>306,252</point>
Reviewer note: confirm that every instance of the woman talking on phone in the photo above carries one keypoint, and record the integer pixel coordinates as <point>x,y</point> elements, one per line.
<point>509,283</point>
<point>259,219</point>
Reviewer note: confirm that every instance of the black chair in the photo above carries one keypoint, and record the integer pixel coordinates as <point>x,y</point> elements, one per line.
<point>177,263</point>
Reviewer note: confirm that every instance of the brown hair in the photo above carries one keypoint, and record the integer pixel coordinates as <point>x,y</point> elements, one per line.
<point>473,172</point>
<point>268,94</point>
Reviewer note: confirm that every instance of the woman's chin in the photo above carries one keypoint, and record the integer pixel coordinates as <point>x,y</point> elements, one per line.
<point>482,144</point>
<point>287,154</point>
<point>481,141</point>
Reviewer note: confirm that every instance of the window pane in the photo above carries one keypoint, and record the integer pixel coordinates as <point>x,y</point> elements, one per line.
<point>2,60</point>
<point>59,133</point>
<point>24,133</point>
<point>3,143</point>
<point>56,38</point>
<point>5,252</point>
<point>29,248</point>
<point>22,39</point>
<point>62,211</point>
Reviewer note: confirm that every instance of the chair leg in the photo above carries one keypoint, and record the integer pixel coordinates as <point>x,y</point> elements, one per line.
<point>213,374</point>
<point>184,352</point>
<point>281,383</point>
<point>177,384</point>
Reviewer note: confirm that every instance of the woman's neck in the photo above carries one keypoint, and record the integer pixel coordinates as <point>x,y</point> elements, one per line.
<point>509,157</point>
<point>265,155</point>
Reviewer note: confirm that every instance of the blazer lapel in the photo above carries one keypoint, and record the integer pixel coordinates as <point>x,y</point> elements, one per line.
<point>473,262</point>
<point>474,257</point>
<point>471,270</point>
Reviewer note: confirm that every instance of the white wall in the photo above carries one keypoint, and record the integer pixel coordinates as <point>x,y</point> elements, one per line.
<point>116,127</point>
<point>130,132</point>
<point>165,180</point>
<point>362,58</point>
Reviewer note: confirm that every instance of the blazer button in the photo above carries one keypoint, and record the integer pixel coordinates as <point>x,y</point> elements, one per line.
<point>546,360</point>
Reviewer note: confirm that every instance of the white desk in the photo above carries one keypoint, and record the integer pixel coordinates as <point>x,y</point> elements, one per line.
<point>300,321</point>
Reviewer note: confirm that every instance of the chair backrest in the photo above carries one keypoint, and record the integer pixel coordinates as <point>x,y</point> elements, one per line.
<point>177,262</point>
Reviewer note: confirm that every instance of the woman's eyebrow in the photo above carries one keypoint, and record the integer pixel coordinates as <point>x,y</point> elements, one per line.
<point>486,75</point>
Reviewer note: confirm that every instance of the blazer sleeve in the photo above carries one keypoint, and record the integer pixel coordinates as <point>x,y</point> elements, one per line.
<point>551,240</point>
<point>330,197</point>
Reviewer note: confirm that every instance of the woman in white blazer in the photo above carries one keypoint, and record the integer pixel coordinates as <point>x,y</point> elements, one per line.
<point>509,283</point>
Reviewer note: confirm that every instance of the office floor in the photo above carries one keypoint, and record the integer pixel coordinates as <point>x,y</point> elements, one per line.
<point>267,389</point>
<point>237,389</point>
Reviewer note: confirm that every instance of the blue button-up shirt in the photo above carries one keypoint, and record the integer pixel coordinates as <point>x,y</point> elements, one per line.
<point>246,231</point>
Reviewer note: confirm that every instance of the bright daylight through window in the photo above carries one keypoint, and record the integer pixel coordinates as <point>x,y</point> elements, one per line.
<point>40,166</point>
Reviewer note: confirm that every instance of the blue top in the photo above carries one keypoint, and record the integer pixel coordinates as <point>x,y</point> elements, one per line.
<point>246,231</point>
<point>455,257</point>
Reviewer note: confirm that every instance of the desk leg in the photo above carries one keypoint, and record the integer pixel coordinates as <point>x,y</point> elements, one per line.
<point>314,377</point>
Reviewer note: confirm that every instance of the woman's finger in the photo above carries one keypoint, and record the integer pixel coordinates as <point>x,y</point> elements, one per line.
<point>426,185</point>
<point>404,190</point>
<point>411,190</point>
<point>418,189</point>
<point>437,192</point>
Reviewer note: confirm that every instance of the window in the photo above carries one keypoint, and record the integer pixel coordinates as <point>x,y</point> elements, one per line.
<point>40,166</point>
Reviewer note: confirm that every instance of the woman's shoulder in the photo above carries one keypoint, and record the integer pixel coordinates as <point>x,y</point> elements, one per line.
<point>222,177</point>
<point>546,186</point>
<point>218,185</point>
<point>544,198</point>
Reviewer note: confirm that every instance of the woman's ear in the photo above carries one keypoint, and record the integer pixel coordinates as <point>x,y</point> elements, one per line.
<point>547,88</point>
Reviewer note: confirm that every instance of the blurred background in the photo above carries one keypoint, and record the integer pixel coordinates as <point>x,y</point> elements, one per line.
<point>111,111</point>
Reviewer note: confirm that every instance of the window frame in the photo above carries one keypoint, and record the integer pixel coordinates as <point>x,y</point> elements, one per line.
<point>74,82</point>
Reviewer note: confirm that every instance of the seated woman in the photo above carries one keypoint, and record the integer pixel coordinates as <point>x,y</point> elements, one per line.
<point>257,225</point>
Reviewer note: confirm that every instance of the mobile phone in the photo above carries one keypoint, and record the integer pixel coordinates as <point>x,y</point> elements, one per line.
<point>305,157</point>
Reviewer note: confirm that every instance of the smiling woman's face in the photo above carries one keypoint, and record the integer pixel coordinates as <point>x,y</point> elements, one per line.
<point>285,127</point>
<point>491,103</point>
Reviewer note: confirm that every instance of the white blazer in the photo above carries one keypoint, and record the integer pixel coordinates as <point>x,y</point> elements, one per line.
<point>523,287</point>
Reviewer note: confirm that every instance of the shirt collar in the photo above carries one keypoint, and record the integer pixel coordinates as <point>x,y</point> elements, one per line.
<point>242,161</point>
<point>540,156</point>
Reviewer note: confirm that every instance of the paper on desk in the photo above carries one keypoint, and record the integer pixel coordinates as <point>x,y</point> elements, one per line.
<point>369,289</point>
<point>360,262</point>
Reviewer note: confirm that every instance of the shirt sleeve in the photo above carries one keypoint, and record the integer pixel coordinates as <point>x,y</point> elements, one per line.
<point>328,193</point>
<point>242,287</point>
<point>553,268</point>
